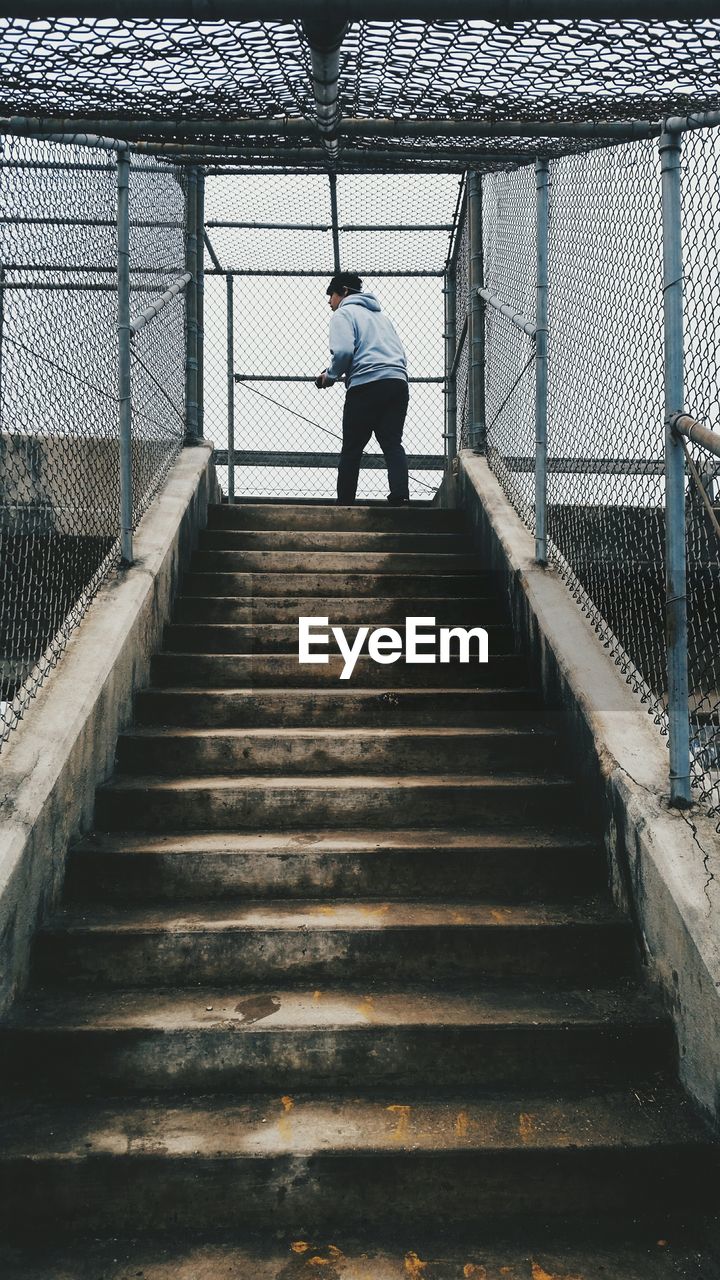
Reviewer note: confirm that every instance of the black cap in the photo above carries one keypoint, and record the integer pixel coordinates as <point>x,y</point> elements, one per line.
<point>345,280</point>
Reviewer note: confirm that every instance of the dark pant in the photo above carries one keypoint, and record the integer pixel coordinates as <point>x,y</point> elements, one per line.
<point>379,407</point>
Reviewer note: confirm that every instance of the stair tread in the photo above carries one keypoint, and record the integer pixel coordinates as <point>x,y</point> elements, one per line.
<point>330,782</point>
<point>529,1253</point>
<point>336,841</point>
<point>316,914</point>
<point>256,1010</point>
<point>344,734</point>
<point>267,1127</point>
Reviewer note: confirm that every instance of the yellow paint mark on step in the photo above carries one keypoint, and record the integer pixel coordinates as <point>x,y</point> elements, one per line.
<point>366,1007</point>
<point>500,914</point>
<point>299,1246</point>
<point>460,917</point>
<point>462,1126</point>
<point>327,911</point>
<point>380,910</point>
<point>317,1261</point>
<point>285,1123</point>
<point>526,1126</point>
<point>414,1266</point>
<point>474,1271</point>
<point>539,1273</point>
<point>401,1129</point>
<point>316,997</point>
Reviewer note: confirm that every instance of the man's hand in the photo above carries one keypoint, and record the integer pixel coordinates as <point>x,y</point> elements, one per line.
<point>322,380</point>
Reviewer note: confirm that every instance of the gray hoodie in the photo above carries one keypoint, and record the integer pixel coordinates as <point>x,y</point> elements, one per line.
<point>363,343</point>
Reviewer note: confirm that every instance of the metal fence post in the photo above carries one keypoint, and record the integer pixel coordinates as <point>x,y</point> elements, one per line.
<point>200,297</point>
<point>124,380</point>
<point>476,317</point>
<point>675,550</point>
<point>542,179</point>
<point>191,324</point>
<point>450,297</point>
<point>230,386</point>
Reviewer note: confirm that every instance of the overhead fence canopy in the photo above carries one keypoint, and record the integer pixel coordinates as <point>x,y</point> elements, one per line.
<point>351,85</point>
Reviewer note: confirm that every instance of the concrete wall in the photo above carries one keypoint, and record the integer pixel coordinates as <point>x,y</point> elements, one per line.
<point>66,745</point>
<point>664,866</point>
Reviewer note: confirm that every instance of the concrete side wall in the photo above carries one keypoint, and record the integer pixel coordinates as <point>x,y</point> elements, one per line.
<point>66,746</point>
<point>664,866</point>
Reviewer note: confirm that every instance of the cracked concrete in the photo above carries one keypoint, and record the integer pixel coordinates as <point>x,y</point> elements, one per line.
<point>663,863</point>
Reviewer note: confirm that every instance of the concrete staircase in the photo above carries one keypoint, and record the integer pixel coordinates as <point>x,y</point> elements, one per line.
<point>339,956</point>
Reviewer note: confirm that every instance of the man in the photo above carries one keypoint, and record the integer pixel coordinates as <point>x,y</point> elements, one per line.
<point>368,353</point>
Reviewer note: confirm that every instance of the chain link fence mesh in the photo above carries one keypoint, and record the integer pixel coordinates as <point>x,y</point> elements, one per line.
<point>605,485</point>
<point>59,463</point>
<point>281,321</point>
<point>701,249</point>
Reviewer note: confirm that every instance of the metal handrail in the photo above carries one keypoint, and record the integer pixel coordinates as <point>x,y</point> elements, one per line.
<point>139,321</point>
<point>518,319</point>
<point>683,425</point>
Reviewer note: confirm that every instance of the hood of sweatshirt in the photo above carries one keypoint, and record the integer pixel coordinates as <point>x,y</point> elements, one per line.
<point>366,300</point>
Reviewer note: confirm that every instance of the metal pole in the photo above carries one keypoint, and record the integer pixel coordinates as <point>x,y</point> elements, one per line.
<point>200,248</point>
<point>2,335</point>
<point>476,434</point>
<point>450,294</point>
<point>229,284</point>
<point>334,221</point>
<point>675,567</point>
<point>191,325</point>
<point>542,178</point>
<point>124,382</point>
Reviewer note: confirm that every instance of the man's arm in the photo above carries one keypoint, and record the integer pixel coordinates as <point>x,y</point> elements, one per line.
<point>342,347</point>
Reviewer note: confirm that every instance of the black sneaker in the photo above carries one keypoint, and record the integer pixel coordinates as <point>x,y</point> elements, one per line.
<point>394,501</point>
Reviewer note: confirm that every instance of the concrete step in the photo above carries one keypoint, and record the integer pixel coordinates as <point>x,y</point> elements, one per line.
<point>179,752</point>
<point>207,1041</point>
<point>408,586</point>
<point>303,708</point>
<point>237,803</point>
<point>233,671</point>
<point>261,516</point>
<point>499,865</point>
<point>145,1166</point>
<point>290,943</point>
<point>335,540</point>
<point>266,637</point>
<point>622,1250</point>
<point>417,563</point>
<point>341,610</point>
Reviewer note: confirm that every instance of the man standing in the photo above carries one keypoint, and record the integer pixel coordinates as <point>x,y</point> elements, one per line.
<point>368,353</point>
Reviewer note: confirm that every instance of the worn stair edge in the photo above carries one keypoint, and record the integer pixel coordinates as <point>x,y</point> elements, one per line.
<point>213,637</point>
<point>287,516</point>
<point>240,802</point>
<point>517,866</point>
<point>289,1159</point>
<point>217,670</point>
<point>342,583</point>
<point>336,540</point>
<point>358,750</point>
<point>298,943</point>
<point>284,707</point>
<point>628,1252</point>
<point>205,1040</point>
<point>475,610</point>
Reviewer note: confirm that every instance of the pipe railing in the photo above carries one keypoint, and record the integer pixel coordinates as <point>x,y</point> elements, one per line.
<point>178,286</point>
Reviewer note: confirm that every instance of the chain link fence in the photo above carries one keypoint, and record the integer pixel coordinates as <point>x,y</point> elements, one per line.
<point>606,436</point>
<point>59,454</point>
<point>271,238</point>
